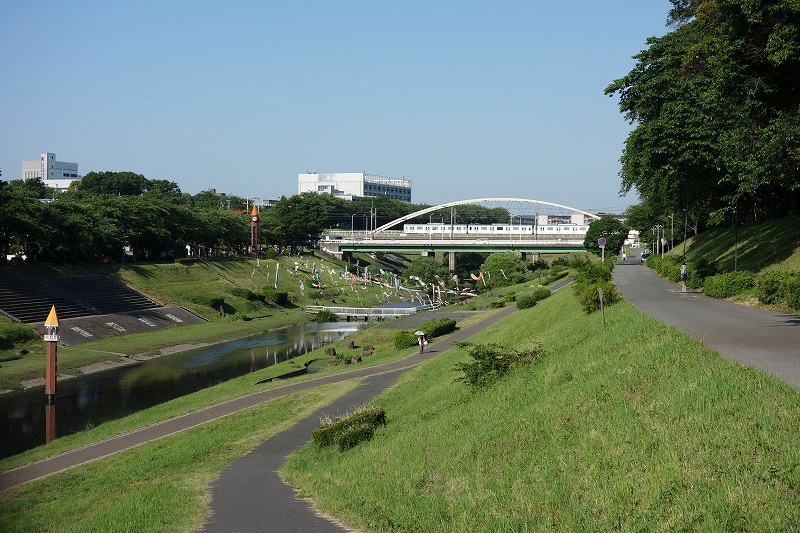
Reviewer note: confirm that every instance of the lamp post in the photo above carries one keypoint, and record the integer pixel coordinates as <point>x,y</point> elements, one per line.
<point>671,234</point>
<point>352,232</point>
<point>685,223</point>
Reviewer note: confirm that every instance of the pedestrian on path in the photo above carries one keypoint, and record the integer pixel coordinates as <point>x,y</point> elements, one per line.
<point>421,344</point>
<point>683,276</point>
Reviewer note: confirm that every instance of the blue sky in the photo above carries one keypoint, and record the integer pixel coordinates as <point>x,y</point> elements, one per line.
<point>467,99</point>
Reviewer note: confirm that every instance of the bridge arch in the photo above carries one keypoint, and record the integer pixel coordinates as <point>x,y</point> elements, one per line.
<point>477,201</point>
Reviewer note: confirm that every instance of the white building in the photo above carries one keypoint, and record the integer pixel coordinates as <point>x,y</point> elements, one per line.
<point>351,185</point>
<point>55,174</point>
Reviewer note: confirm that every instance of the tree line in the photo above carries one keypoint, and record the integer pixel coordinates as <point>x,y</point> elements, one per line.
<point>716,108</point>
<point>109,215</point>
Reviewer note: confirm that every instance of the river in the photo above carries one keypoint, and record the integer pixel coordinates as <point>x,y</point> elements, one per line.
<point>89,400</point>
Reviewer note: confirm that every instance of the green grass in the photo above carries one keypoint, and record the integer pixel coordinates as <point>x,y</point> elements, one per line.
<point>633,427</point>
<point>159,486</point>
<point>773,244</point>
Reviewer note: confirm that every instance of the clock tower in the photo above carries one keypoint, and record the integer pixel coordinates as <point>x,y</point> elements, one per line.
<point>254,231</point>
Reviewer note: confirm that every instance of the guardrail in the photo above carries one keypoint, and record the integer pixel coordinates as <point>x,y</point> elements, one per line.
<point>364,312</point>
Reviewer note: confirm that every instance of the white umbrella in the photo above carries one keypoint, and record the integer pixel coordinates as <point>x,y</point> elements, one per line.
<point>419,332</point>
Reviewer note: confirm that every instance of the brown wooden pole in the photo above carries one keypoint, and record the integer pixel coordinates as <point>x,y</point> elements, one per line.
<point>50,373</point>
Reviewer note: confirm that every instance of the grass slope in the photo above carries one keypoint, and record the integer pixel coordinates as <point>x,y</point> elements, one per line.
<point>632,427</point>
<point>773,244</point>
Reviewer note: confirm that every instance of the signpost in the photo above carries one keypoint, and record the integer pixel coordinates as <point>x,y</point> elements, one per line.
<point>601,242</point>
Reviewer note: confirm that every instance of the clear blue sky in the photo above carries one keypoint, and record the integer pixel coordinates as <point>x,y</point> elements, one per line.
<point>467,99</point>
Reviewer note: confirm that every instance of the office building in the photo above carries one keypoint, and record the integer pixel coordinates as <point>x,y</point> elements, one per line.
<point>351,185</point>
<point>53,173</point>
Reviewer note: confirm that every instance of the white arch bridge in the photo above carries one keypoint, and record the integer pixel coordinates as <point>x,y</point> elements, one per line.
<point>534,226</point>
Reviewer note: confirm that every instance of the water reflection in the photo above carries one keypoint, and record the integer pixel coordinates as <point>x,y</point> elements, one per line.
<point>90,400</point>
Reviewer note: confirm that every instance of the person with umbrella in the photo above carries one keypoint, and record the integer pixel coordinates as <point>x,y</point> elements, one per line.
<point>422,341</point>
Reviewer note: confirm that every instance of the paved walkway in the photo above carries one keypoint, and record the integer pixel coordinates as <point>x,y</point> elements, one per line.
<point>755,337</point>
<point>98,450</point>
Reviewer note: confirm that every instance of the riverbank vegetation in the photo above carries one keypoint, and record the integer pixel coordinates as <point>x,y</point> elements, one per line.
<point>631,427</point>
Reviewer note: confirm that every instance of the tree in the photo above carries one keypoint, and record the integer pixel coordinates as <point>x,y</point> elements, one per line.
<point>428,270</point>
<point>296,221</point>
<point>611,229</point>
<point>717,112</point>
<point>20,215</point>
<point>115,183</point>
<point>504,268</point>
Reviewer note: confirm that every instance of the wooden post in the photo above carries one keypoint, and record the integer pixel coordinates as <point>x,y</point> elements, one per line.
<point>602,310</point>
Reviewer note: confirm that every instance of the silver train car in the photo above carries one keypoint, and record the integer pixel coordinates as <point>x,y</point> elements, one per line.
<point>496,229</point>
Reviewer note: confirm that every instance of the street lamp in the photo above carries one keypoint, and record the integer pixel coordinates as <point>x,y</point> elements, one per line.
<point>352,232</point>
<point>685,223</point>
<point>671,235</point>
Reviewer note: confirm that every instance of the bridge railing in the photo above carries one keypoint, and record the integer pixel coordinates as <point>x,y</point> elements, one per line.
<point>383,312</point>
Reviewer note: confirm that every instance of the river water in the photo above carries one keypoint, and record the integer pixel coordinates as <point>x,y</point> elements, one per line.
<point>86,401</point>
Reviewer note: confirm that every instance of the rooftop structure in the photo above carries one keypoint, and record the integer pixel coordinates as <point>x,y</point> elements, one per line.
<point>55,174</point>
<point>351,185</point>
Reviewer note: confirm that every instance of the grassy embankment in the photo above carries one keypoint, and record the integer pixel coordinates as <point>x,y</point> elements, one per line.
<point>176,285</point>
<point>766,246</point>
<point>633,427</point>
<point>630,427</point>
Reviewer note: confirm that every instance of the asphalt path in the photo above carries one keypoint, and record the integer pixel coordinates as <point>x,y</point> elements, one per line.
<point>757,338</point>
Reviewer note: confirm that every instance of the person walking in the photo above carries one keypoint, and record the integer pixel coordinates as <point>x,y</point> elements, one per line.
<point>421,344</point>
<point>683,276</point>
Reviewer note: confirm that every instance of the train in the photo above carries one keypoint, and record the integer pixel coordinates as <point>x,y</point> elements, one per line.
<point>497,229</point>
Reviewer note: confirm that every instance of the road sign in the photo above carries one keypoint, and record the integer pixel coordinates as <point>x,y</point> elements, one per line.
<point>601,242</point>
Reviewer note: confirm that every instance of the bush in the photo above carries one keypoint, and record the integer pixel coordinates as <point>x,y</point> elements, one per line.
<point>245,294</point>
<point>529,300</point>
<point>552,278</point>
<point>405,339</point>
<point>326,316</point>
<point>490,362</point>
<point>438,327</point>
<point>589,295</point>
<point>779,287</point>
<point>186,260</point>
<point>276,297</point>
<point>212,301</point>
<point>11,334</point>
<point>350,429</point>
<point>727,285</point>
<point>235,317</point>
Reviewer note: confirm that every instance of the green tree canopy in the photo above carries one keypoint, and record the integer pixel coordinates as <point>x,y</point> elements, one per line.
<point>611,229</point>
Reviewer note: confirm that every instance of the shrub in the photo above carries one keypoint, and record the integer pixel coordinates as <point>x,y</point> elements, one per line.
<point>779,287</point>
<point>526,302</point>
<point>326,316</point>
<point>350,429</point>
<point>210,300</point>
<point>238,316</point>
<point>727,285</point>
<point>552,278</point>
<point>490,362</point>
<point>589,295</point>
<point>11,334</point>
<point>405,339</point>
<point>186,260</point>
<point>245,294</point>
<point>529,300</point>
<point>276,297</point>
<point>438,327</point>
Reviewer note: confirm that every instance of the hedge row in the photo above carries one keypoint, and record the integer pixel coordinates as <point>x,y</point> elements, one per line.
<point>351,429</point>
<point>529,300</point>
<point>433,328</point>
<point>779,287</point>
<point>276,297</point>
<point>727,285</point>
<point>210,300</point>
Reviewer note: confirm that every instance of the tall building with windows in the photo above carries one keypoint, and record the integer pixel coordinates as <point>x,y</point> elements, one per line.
<point>53,173</point>
<point>351,185</point>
